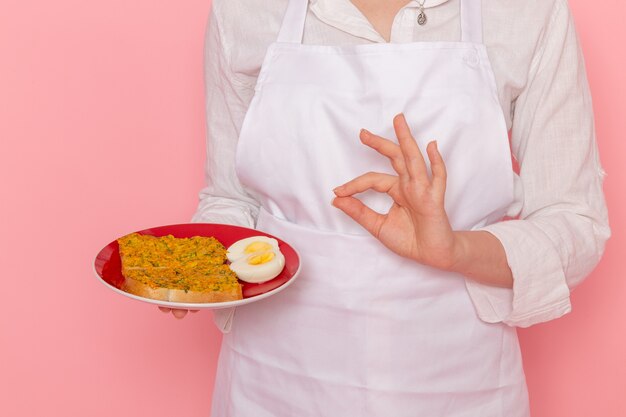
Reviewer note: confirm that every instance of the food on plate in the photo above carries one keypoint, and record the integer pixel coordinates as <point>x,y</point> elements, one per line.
<point>190,270</point>
<point>206,285</point>
<point>143,251</point>
<point>256,259</point>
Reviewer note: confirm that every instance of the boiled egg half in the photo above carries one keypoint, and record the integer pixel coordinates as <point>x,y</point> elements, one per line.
<point>256,259</point>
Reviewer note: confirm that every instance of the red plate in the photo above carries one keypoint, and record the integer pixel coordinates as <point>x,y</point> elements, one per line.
<point>108,265</point>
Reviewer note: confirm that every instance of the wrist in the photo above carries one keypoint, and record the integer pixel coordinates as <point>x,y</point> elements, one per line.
<point>479,256</point>
<point>460,251</point>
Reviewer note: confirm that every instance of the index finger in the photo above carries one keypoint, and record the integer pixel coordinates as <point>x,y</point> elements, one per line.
<point>386,148</point>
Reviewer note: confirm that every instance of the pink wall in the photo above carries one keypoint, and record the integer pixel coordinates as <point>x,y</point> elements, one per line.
<point>101,123</point>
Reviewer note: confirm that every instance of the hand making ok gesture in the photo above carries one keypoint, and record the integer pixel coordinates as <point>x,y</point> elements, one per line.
<point>416,225</point>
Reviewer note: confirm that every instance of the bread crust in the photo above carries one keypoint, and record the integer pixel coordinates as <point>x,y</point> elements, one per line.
<point>140,289</point>
<point>136,287</point>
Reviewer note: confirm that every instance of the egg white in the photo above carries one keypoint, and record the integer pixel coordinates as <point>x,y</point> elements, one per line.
<point>261,272</point>
<point>240,259</point>
<point>237,249</point>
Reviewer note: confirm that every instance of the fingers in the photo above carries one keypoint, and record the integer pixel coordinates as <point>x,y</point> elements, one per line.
<point>437,167</point>
<point>383,183</point>
<point>406,158</point>
<point>360,213</point>
<point>413,159</point>
<point>176,312</point>
<point>386,148</point>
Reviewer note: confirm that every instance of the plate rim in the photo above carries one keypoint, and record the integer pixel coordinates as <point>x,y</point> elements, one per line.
<point>201,306</point>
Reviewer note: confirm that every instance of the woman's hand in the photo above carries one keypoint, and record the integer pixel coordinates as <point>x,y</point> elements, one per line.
<point>177,312</point>
<point>417,225</point>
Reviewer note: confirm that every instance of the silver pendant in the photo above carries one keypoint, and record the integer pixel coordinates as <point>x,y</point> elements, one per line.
<point>421,18</point>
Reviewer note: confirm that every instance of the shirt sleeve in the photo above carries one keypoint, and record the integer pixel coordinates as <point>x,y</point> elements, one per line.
<point>227,98</point>
<point>560,233</point>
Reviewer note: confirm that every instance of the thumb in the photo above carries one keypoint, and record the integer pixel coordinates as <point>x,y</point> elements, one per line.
<point>360,213</point>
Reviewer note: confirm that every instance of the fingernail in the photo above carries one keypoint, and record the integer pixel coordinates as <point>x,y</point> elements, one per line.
<point>364,132</point>
<point>332,202</point>
<point>337,189</point>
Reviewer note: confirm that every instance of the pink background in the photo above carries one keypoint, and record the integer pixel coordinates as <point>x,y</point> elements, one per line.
<point>102,129</point>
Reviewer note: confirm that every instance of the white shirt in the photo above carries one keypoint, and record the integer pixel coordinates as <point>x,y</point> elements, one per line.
<point>561,224</point>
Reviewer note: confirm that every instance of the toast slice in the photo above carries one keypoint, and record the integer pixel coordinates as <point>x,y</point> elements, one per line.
<point>190,270</point>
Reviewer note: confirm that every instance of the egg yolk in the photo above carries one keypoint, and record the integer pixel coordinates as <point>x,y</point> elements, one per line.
<point>261,258</point>
<point>257,247</point>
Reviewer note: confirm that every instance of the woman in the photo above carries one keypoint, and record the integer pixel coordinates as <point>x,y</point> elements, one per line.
<point>408,301</point>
